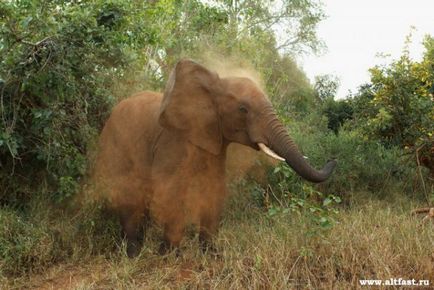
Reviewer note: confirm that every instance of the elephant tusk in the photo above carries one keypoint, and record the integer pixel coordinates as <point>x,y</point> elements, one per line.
<point>270,152</point>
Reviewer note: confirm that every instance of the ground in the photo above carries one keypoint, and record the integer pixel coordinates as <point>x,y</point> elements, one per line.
<point>372,240</point>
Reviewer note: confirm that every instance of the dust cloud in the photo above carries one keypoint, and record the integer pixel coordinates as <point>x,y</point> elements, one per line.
<point>127,182</point>
<point>230,66</point>
<point>242,161</point>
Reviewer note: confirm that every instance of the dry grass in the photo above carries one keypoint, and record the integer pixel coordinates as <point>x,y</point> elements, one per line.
<point>373,240</point>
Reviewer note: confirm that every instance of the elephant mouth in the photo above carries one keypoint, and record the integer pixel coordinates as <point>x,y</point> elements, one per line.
<point>267,150</point>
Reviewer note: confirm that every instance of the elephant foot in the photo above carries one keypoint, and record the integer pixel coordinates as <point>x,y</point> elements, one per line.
<point>133,249</point>
<point>164,248</point>
<point>135,243</point>
<point>133,232</point>
<point>173,234</point>
<point>167,248</point>
<point>207,247</point>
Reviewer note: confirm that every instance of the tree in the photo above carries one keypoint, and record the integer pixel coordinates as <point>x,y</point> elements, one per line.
<point>58,59</point>
<point>64,64</point>
<point>326,86</point>
<point>337,112</point>
<point>294,21</point>
<point>397,107</point>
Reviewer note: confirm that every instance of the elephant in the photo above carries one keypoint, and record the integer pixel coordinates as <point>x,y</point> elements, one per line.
<point>161,157</point>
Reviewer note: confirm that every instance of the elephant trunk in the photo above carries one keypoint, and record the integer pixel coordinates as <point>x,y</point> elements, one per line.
<point>280,142</point>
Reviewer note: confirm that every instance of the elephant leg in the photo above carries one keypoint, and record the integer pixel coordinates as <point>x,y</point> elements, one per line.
<point>173,234</point>
<point>208,230</point>
<point>143,224</point>
<point>132,230</point>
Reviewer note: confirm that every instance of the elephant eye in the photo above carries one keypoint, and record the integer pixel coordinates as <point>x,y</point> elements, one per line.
<point>243,109</point>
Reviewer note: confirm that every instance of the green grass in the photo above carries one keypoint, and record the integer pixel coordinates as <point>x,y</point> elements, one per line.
<point>81,250</point>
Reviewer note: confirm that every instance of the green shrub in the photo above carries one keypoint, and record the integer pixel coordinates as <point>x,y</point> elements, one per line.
<point>363,164</point>
<point>59,61</point>
<point>43,235</point>
<point>23,244</point>
<point>337,112</point>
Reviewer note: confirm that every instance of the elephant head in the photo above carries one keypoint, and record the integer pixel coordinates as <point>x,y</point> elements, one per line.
<point>213,111</point>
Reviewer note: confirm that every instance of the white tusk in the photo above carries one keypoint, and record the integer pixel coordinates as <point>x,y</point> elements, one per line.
<point>270,152</point>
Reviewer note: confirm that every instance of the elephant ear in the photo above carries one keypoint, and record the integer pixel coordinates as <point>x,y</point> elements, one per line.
<point>189,105</point>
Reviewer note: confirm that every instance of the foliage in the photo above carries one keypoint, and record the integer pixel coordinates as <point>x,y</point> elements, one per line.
<point>326,86</point>
<point>255,250</point>
<point>337,112</point>
<point>294,21</point>
<point>44,235</point>
<point>288,194</point>
<point>288,86</point>
<point>65,62</point>
<point>59,59</point>
<point>397,107</point>
<point>366,165</point>
<point>363,165</point>
<point>22,245</point>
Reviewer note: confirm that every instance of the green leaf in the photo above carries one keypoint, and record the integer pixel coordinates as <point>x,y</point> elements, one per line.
<point>327,201</point>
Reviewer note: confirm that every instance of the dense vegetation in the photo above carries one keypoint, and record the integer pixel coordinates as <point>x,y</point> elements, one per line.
<point>64,64</point>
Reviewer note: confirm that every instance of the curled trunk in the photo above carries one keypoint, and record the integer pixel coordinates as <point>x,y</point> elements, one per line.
<point>280,142</point>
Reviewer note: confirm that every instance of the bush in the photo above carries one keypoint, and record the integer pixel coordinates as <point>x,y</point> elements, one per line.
<point>337,112</point>
<point>23,245</point>
<point>363,164</point>
<point>58,67</point>
<point>396,107</point>
<point>43,235</point>
<point>64,63</point>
